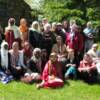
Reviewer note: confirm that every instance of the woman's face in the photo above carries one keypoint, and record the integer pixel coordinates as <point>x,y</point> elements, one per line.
<point>53,58</point>
<point>54,26</point>
<point>23,22</point>
<point>59,40</point>
<point>87,58</point>
<point>74,29</point>
<point>26,46</point>
<point>37,54</point>
<point>15,47</point>
<point>95,48</point>
<point>65,24</point>
<point>71,53</point>
<point>89,25</point>
<point>48,29</point>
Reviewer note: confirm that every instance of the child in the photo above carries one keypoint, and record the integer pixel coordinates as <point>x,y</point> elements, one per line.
<point>71,65</point>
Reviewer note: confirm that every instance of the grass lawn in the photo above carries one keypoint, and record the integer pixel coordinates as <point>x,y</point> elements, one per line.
<point>76,90</point>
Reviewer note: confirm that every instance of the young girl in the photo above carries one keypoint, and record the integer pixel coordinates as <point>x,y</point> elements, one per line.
<point>52,76</point>
<point>72,64</point>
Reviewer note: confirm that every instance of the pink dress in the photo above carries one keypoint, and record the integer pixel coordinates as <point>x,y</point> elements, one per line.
<point>51,76</point>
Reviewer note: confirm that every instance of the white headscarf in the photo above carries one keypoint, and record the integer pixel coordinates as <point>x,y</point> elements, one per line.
<point>38,61</point>
<point>34,52</point>
<point>4,55</point>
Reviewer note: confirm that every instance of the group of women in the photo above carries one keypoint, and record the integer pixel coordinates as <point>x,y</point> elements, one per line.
<point>48,54</point>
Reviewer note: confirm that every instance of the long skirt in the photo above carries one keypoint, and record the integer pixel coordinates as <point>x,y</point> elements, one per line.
<point>54,83</point>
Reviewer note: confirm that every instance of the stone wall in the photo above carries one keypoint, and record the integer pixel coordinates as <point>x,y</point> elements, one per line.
<point>14,8</point>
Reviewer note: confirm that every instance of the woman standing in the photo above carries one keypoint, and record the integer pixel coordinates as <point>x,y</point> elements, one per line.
<point>23,28</point>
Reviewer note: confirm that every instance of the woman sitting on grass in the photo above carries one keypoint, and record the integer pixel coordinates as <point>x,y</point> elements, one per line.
<point>17,61</point>
<point>5,64</point>
<point>87,69</point>
<point>72,64</point>
<point>52,74</point>
<point>34,69</point>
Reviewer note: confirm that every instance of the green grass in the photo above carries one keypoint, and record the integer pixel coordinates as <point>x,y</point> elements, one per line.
<point>76,90</point>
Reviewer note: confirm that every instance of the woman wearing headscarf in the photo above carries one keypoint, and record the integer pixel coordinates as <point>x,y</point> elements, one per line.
<point>34,69</point>
<point>12,33</point>
<point>35,63</point>
<point>5,64</point>
<point>35,38</point>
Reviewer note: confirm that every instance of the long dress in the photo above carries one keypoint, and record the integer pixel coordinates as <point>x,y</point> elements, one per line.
<point>9,36</point>
<point>52,76</point>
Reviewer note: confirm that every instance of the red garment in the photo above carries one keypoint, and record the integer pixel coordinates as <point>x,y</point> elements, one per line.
<point>76,44</point>
<point>81,42</point>
<point>50,70</point>
<point>9,36</point>
<point>85,64</point>
<point>27,52</point>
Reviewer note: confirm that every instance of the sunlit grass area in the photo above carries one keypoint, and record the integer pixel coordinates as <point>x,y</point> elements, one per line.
<point>73,90</point>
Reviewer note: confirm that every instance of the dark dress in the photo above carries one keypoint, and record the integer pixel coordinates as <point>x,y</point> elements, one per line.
<point>35,39</point>
<point>48,41</point>
<point>62,34</point>
<point>33,66</point>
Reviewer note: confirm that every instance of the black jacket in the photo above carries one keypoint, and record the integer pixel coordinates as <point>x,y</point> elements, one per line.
<point>35,39</point>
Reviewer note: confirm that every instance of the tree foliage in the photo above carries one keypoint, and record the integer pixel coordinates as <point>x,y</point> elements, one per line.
<point>81,10</point>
